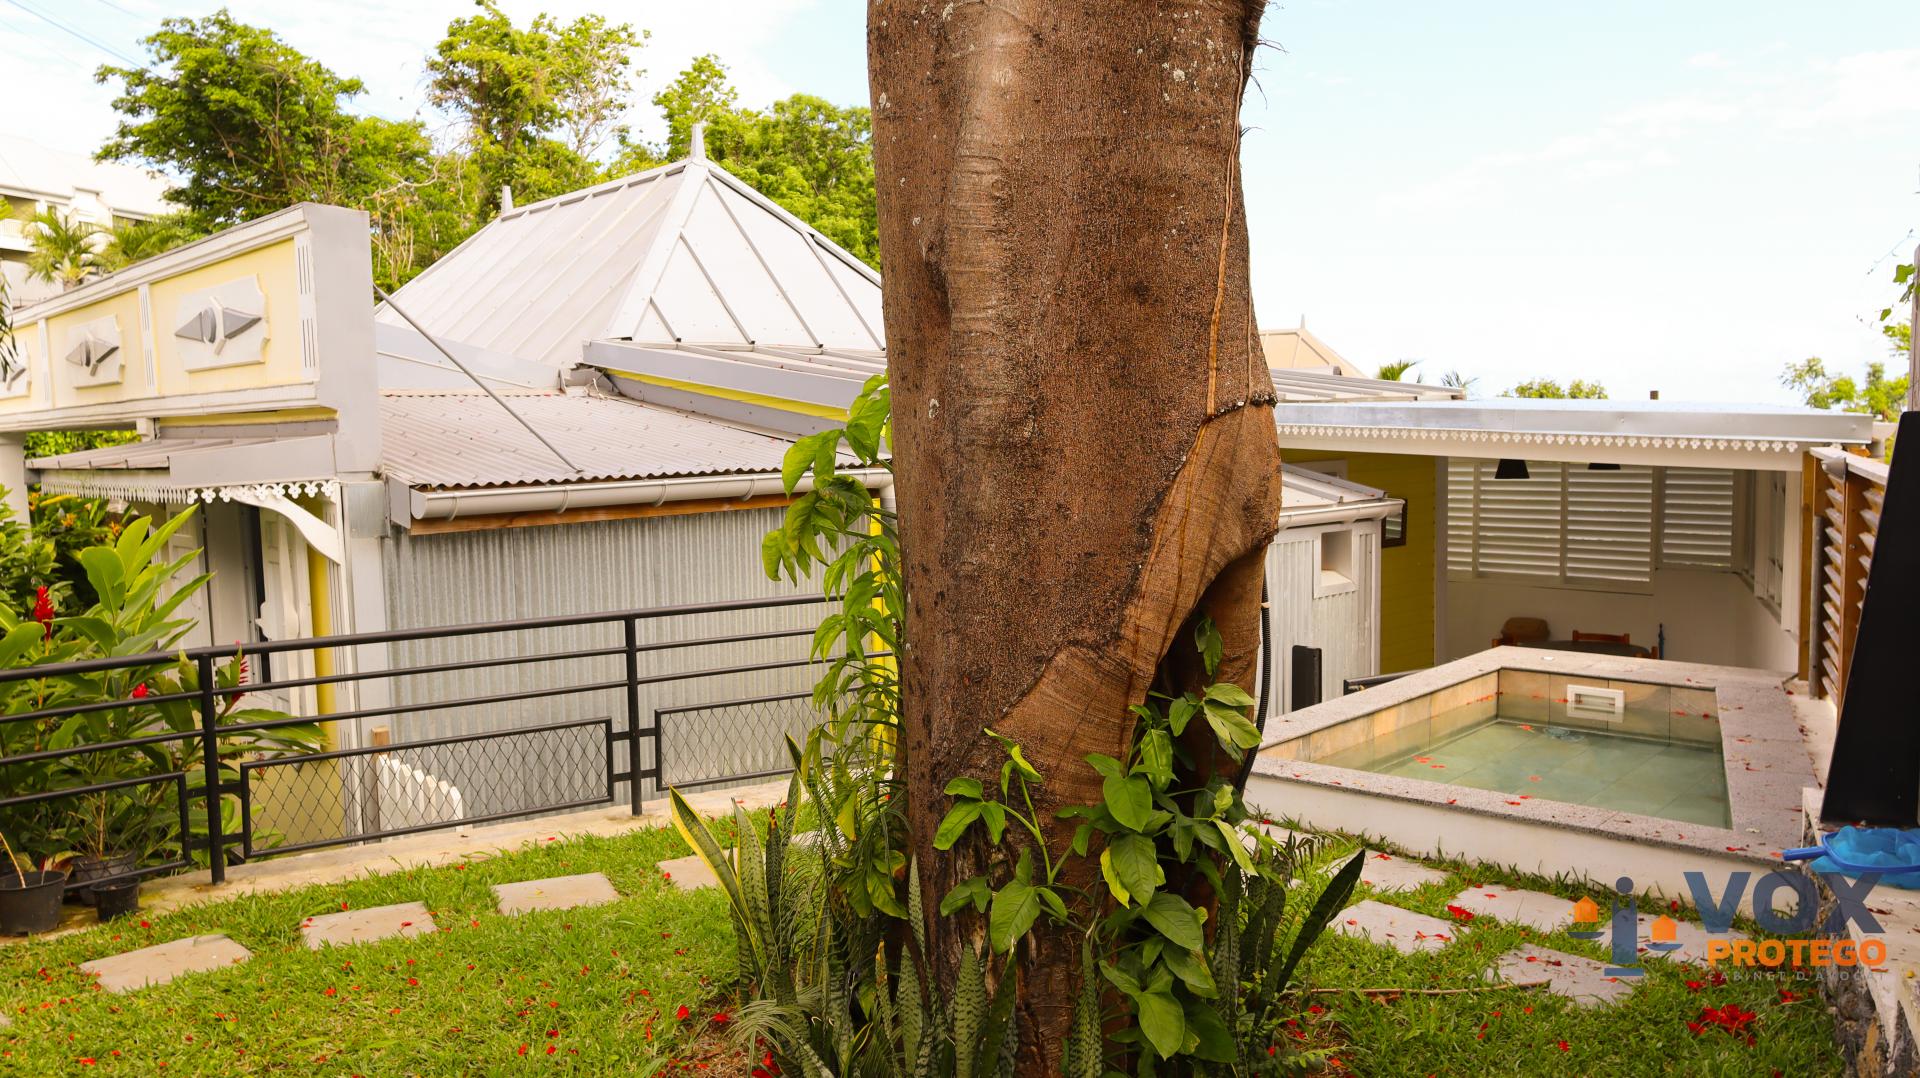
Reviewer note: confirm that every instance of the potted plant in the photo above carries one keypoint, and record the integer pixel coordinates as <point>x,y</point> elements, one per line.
<point>29,900</point>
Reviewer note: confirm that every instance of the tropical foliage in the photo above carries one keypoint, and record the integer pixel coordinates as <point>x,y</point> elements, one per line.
<point>1878,396</point>
<point>150,725</point>
<point>1548,388</point>
<point>66,250</point>
<point>1188,940</point>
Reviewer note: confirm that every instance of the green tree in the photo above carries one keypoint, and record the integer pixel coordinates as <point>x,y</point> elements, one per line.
<point>66,250</point>
<point>514,89</point>
<point>1877,396</point>
<point>812,157</point>
<point>132,241</point>
<point>1547,388</point>
<point>251,124</point>
<point>1396,370</point>
<point>1459,380</point>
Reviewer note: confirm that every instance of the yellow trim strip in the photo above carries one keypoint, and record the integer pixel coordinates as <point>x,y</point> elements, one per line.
<point>821,411</point>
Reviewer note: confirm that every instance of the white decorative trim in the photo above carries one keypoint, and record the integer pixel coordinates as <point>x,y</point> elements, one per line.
<point>241,492</point>
<point>1539,438</point>
<point>129,488</point>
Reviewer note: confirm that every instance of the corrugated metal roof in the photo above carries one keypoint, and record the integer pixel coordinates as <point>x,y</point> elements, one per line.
<point>1303,488</point>
<point>1305,386</point>
<point>684,253</point>
<point>137,456</point>
<point>453,440</point>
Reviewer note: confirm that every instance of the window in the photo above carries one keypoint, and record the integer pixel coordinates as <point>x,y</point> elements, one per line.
<point>1393,529</point>
<point>1336,562</point>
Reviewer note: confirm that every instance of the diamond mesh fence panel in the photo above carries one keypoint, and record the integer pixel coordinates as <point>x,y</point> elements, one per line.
<point>423,785</point>
<point>730,743</point>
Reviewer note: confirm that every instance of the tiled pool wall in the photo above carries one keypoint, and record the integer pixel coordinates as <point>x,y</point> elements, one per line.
<point>1657,712</point>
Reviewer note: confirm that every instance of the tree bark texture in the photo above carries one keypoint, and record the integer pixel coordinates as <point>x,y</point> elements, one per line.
<point>1083,429</point>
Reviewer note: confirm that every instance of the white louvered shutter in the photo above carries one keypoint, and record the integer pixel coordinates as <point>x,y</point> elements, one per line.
<point>1696,518</point>
<point>1462,505</point>
<point>1520,526</point>
<point>1609,524</point>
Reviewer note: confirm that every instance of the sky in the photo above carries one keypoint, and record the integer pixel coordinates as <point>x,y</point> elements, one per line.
<point>1679,197</point>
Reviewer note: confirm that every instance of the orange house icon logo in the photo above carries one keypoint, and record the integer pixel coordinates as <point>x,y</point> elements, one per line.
<point>1586,911</point>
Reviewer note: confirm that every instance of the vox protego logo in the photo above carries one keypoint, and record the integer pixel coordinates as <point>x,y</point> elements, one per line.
<point>1832,946</point>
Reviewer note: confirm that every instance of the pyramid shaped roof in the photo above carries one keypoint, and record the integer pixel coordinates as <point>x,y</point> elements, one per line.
<point>683,254</point>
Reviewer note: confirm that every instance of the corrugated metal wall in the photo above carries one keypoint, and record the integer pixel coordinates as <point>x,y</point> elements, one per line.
<point>1341,624</point>
<point>514,573</point>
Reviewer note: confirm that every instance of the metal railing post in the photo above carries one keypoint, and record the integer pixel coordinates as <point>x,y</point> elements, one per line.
<point>633,711</point>
<point>210,743</point>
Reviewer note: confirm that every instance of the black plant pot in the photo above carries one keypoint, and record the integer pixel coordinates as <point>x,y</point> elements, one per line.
<point>30,902</point>
<point>86,870</point>
<point>115,899</point>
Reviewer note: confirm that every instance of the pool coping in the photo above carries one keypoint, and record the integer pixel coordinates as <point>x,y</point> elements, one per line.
<point>1763,752</point>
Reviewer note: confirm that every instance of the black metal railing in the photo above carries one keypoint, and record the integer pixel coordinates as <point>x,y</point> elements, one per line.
<point>423,777</point>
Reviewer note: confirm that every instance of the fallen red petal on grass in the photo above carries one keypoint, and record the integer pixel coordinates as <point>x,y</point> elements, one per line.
<point>681,1014</point>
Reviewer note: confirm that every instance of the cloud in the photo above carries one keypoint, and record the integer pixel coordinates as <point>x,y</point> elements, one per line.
<point>1711,60</point>
<point>1856,91</point>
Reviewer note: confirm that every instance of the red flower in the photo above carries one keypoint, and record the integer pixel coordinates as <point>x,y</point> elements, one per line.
<point>413,982</point>
<point>551,1049</point>
<point>1695,986</point>
<point>43,613</point>
<point>523,1050</point>
<point>681,1014</point>
<point>140,691</point>
<point>1563,1046</point>
<point>721,1018</point>
<point>331,992</point>
<point>1460,914</point>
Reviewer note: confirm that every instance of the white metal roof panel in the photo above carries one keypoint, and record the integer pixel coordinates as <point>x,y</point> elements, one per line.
<point>684,253</point>
<point>453,440</point>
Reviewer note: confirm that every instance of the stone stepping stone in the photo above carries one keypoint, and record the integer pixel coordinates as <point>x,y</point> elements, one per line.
<point>1537,910</point>
<point>689,873</point>
<point>1691,937</point>
<point>162,963</point>
<point>1403,930</point>
<point>555,893</point>
<point>367,925</point>
<point>1391,872</point>
<point>1582,980</point>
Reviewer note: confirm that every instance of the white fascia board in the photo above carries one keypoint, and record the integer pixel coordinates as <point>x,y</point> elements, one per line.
<point>277,461</point>
<point>1766,455</point>
<point>832,390</point>
<point>122,414</point>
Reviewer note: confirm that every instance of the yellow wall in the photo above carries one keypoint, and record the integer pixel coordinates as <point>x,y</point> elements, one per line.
<point>1406,572</point>
<point>275,268</point>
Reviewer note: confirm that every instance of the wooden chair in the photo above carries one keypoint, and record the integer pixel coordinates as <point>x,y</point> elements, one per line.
<point>1602,638</point>
<point>1522,630</point>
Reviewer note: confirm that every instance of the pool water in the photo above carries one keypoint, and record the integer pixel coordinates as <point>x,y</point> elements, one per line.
<point>1671,780</point>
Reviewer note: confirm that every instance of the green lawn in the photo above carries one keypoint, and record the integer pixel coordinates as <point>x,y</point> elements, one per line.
<point>592,990</point>
<point>598,990</point>
<point>1530,1032</point>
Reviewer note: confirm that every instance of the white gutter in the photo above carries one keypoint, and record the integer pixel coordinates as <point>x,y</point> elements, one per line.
<point>1337,513</point>
<point>560,497</point>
